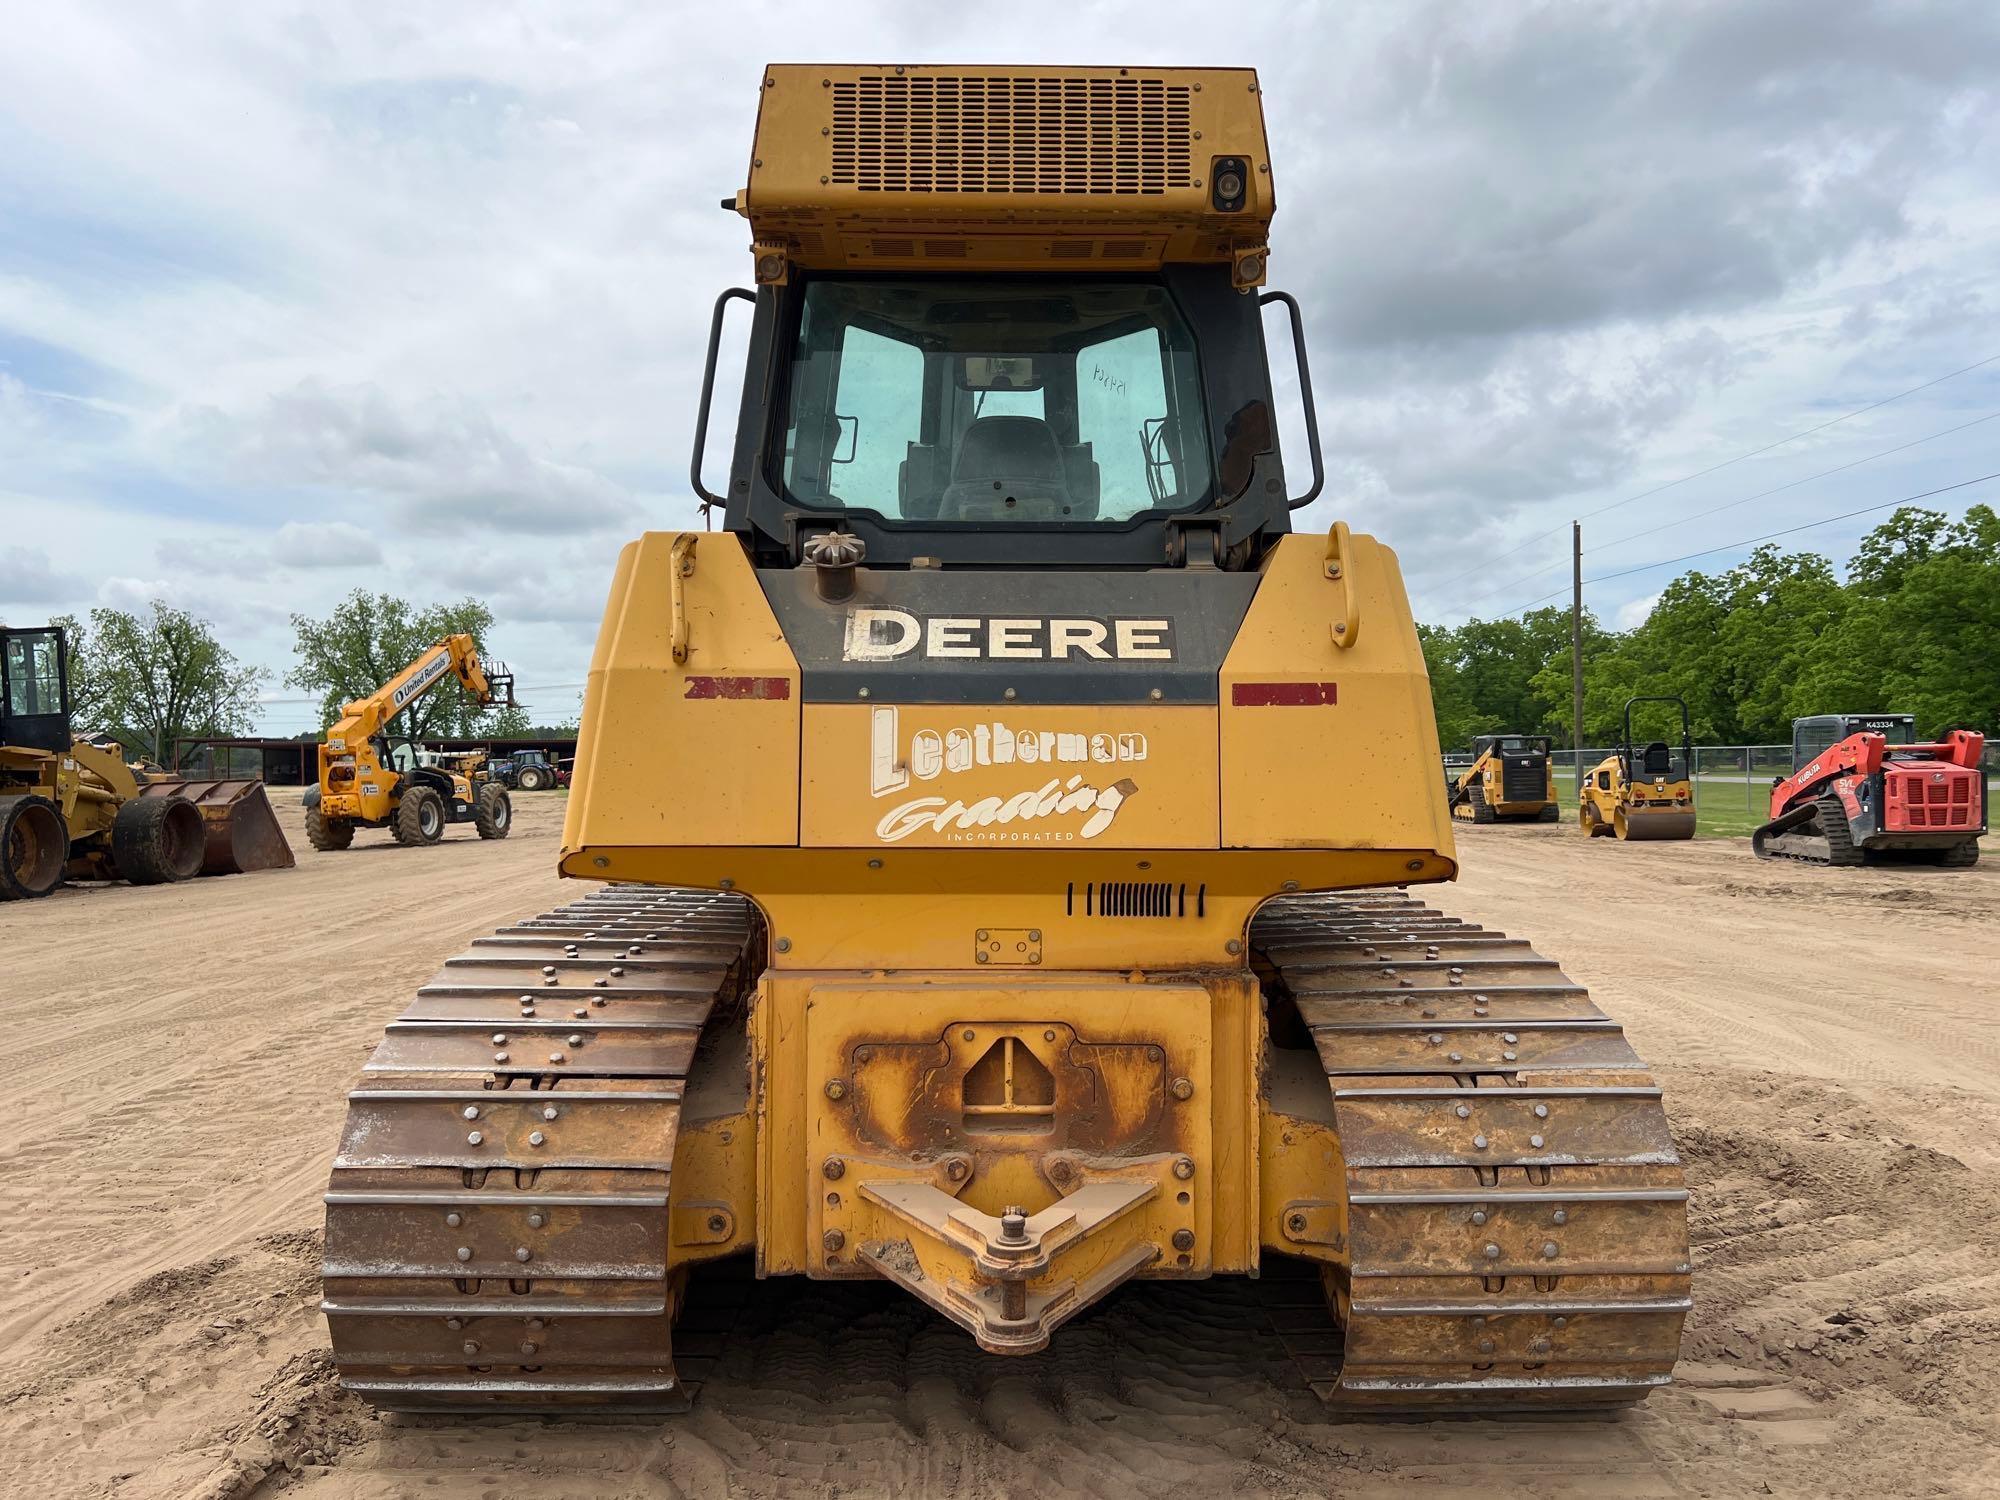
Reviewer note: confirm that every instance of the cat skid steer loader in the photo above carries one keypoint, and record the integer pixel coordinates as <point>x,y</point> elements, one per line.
<point>1511,778</point>
<point>1002,824</point>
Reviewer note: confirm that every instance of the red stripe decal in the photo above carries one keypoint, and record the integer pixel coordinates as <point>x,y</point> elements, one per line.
<point>739,687</point>
<point>1282,694</point>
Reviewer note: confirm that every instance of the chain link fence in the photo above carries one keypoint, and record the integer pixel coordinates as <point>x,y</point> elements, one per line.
<point>1732,783</point>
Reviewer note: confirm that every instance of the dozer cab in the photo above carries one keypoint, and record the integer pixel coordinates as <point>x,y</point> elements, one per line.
<point>73,808</point>
<point>1001,825</point>
<point>1511,779</point>
<point>1863,791</point>
<point>368,779</point>
<point>1641,792</point>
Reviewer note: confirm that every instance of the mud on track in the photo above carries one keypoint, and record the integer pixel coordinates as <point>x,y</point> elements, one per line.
<point>1829,1040</point>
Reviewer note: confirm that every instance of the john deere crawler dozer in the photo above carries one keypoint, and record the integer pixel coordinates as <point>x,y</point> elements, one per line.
<point>1003,818</point>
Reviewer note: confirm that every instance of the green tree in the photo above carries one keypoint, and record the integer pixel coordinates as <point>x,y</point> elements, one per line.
<point>1781,605</point>
<point>150,680</point>
<point>86,694</point>
<point>1915,628</point>
<point>1922,634</point>
<point>1458,718</point>
<point>1910,536</point>
<point>371,637</point>
<point>1484,674</point>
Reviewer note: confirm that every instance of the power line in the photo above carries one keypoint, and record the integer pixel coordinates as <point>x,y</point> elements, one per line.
<point>1508,586</point>
<point>1712,468</point>
<point>1794,484</point>
<point>1668,562</point>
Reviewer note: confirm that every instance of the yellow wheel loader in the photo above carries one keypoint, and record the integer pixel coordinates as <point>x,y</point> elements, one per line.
<point>1003,825</point>
<point>1641,792</point>
<point>1511,779</point>
<point>366,780</point>
<point>74,809</point>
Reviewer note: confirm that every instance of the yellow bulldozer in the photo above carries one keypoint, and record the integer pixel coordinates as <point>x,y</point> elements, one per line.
<point>1640,792</point>
<point>74,808</point>
<point>1004,824</point>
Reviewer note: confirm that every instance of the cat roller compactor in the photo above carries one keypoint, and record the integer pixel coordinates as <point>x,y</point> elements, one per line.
<point>1003,820</point>
<point>1511,779</point>
<point>366,780</point>
<point>73,808</point>
<point>1641,792</point>
<point>1863,791</point>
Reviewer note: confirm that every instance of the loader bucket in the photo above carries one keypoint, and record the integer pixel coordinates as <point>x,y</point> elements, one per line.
<point>241,831</point>
<point>1642,826</point>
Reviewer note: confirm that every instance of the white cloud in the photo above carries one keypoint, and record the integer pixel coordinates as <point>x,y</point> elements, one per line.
<point>324,544</point>
<point>27,577</point>
<point>133,595</point>
<point>442,466</point>
<point>1633,612</point>
<point>279,274</point>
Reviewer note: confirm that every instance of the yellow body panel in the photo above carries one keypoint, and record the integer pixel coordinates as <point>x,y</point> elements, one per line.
<point>87,784</point>
<point>680,789</point>
<point>1351,769</point>
<point>992,168</point>
<point>702,751</point>
<point>878,1073</point>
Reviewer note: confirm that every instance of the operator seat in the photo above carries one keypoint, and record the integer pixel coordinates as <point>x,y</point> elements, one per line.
<point>1008,469</point>
<point>1656,759</point>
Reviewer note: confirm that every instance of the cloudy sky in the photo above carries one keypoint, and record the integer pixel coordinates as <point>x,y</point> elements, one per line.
<point>295,297</point>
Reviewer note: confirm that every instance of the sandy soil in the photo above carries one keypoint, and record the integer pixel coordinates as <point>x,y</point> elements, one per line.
<point>1828,1041</point>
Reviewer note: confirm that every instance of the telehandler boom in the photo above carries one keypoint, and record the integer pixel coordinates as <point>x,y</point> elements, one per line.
<point>1002,817</point>
<point>362,784</point>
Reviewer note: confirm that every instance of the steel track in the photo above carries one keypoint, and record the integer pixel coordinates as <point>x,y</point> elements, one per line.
<point>1517,1220</point>
<point>496,1222</point>
<point>1516,1213</point>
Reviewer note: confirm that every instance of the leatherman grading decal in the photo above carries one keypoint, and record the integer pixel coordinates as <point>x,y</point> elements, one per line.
<point>1039,812</point>
<point>888,634</point>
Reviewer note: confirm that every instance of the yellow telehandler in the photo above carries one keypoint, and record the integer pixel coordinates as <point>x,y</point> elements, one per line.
<point>366,781</point>
<point>73,808</point>
<point>1002,824</point>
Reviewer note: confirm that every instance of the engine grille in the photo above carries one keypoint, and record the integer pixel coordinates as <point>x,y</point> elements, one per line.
<point>1135,898</point>
<point>1524,779</point>
<point>1947,799</point>
<point>970,133</point>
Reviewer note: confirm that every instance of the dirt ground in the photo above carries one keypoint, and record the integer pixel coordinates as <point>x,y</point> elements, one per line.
<point>1828,1042</point>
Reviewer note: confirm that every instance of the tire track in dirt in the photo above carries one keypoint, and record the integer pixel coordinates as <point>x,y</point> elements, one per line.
<point>159,1304</point>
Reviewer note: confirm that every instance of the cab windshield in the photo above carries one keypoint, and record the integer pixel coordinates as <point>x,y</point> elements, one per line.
<point>963,402</point>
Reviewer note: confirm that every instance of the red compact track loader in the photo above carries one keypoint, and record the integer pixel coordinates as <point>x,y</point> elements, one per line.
<point>1861,791</point>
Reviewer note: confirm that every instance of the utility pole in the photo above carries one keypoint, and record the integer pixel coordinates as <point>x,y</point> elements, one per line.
<point>1576,643</point>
